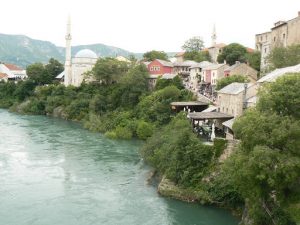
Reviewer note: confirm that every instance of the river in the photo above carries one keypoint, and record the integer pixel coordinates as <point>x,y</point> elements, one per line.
<point>54,172</point>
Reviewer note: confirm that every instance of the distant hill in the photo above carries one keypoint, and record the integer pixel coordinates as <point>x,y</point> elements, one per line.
<point>22,50</point>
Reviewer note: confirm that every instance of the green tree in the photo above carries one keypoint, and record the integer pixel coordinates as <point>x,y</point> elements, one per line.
<point>231,79</point>
<point>108,70</point>
<point>162,83</point>
<point>254,59</point>
<point>134,84</point>
<point>54,67</point>
<point>194,44</point>
<point>232,53</point>
<point>177,153</point>
<point>282,96</point>
<point>266,167</point>
<point>24,89</point>
<point>283,57</point>
<point>152,55</point>
<point>197,56</point>
<point>39,74</point>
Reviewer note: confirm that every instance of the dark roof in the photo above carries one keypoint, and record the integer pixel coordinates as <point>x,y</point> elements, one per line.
<point>209,115</point>
<point>188,103</point>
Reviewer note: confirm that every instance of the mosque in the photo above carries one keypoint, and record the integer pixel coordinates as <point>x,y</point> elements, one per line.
<point>75,68</point>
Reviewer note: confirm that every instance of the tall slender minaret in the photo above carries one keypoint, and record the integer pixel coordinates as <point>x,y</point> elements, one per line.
<point>214,36</point>
<point>68,63</point>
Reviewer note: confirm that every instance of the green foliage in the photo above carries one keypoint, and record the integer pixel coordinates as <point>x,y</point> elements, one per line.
<point>108,70</point>
<point>54,67</point>
<point>231,79</point>
<point>133,84</point>
<point>282,96</point>
<point>194,44</point>
<point>24,89</point>
<point>38,73</point>
<point>144,130</point>
<point>177,152</point>
<point>254,59</point>
<point>156,108</point>
<point>41,74</point>
<point>197,56</point>
<point>219,146</point>
<point>283,57</point>
<point>162,83</point>
<point>232,53</point>
<point>152,55</point>
<point>266,168</point>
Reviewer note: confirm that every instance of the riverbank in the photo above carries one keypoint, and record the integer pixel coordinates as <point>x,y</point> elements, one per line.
<point>269,139</point>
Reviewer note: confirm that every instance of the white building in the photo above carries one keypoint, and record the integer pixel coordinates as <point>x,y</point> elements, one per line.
<point>196,74</point>
<point>76,68</point>
<point>13,72</point>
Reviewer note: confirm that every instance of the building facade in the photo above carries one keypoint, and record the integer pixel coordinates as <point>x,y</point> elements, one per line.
<point>12,72</point>
<point>241,69</point>
<point>232,99</point>
<point>196,74</point>
<point>75,69</point>
<point>160,67</point>
<point>283,34</point>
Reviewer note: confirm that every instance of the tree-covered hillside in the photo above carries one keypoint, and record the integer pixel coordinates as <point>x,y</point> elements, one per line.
<point>22,50</point>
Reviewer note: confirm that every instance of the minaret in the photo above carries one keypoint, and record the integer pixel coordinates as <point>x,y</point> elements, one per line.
<point>214,36</point>
<point>68,63</point>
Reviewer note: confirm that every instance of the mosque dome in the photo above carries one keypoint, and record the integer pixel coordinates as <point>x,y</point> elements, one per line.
<point>86,53</point>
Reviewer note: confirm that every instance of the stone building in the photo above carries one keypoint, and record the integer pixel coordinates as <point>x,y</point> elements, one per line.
<point>232,99</point>
<point>283,34</point>
<point>242,69</point>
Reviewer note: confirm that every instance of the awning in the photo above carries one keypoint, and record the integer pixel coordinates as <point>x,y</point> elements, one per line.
<point>192,103</point>
<point>208,115</point>
<point>229,123</point>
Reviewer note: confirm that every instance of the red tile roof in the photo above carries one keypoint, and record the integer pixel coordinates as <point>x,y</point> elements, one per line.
<point>12,67</point>
<point>250,50</point>
<point>3,75</point>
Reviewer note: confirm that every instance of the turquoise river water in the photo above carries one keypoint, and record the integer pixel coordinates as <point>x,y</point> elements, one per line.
<point>53,172</point>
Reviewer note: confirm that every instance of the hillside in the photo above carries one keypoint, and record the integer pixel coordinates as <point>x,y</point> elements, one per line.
<point>22,50</point>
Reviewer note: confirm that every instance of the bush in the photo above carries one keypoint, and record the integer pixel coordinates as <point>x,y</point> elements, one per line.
<point>123,133</point>
<point>144,130</point>
<point>219,146</point>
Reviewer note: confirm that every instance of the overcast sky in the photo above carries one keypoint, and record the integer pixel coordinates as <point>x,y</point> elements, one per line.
<point>140,25</point>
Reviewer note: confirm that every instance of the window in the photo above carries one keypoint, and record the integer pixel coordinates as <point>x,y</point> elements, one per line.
<point>274,39</point>
<point>283,36</point>
<point>265,50</point>
<point>151,68</point>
